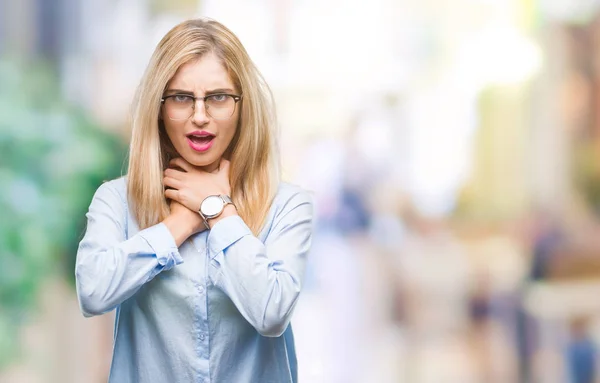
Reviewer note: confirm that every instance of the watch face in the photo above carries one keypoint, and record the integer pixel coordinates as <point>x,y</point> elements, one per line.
<point>212,206</point>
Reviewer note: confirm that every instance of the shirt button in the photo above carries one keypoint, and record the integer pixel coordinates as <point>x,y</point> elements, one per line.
<point>201,336</point>
<point>162,260</point>
<point>201,289</point>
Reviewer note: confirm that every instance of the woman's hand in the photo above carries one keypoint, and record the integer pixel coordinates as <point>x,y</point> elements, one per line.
<point>190,185</point>
<point>182,222</point>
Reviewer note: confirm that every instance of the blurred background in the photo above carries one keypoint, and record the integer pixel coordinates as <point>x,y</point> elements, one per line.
<point>452,148</point>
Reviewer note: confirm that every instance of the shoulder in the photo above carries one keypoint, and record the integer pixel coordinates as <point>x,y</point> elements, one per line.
<point>113,189</point>
<point>292,205</point>
<point>290,196</point>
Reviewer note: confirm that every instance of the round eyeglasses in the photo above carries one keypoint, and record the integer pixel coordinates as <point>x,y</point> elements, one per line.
<point>219,106</point>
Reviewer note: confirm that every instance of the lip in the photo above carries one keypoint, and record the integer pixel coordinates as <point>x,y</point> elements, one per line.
<point>200,133</point>
<point>200,147</point>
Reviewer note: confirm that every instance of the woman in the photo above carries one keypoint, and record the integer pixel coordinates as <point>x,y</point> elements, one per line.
<point>200,249</point>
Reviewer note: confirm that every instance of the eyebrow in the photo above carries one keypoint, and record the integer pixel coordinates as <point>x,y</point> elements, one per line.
<point>211,91</point>
<point>179,91</point>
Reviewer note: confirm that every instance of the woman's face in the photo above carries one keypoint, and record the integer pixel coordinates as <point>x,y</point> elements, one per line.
<point>200,139</point>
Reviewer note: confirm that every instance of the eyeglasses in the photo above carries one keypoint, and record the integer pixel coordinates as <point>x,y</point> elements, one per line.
<point>180,107</point>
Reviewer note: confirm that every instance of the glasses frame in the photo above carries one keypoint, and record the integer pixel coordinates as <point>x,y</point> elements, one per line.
<point>236,99</point>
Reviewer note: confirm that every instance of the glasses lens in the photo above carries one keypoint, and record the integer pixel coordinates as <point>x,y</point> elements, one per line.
<point>220,106</point>
<point>179,107</point>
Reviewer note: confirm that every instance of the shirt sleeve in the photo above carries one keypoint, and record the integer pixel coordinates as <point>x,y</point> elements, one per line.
<point>110,269</point>
<point>263,279</point>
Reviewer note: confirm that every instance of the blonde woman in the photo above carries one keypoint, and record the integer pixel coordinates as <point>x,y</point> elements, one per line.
<point>200,248</point>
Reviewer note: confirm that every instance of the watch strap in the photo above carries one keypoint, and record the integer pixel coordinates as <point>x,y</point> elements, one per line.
<point>226,199</point>
<point>205,221</point>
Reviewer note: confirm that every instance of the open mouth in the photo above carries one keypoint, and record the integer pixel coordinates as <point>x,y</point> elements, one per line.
<point>201,141</point>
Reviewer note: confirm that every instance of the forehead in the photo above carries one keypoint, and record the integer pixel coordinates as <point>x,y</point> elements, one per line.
<point>205,72</point>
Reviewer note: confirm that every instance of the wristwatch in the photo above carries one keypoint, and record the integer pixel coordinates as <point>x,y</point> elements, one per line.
<point>213,206</point>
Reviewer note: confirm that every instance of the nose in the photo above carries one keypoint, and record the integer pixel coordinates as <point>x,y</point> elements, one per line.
<point>200,116</point>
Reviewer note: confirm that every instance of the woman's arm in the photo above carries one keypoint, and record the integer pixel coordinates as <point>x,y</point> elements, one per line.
<point>110,269</point>
<point>263,280</point>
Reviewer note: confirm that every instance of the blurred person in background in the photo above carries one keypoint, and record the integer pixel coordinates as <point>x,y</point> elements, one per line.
<point>201,248</point>
<point>545,236</point>
<point>581,352</point>
<point>433,267</point>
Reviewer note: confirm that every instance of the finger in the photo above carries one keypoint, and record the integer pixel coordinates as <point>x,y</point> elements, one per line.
<point>175,174</point>
<point>181,163</point>
<point>172,183</point>
<point>172,194</point>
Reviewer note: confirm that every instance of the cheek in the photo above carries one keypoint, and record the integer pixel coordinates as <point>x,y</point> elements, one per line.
<point>171,131</point>
<point>230,129</point>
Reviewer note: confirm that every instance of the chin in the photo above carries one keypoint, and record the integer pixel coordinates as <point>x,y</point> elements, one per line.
<point>194,160</point>
<point>199,160</point>
<point>201,164</point>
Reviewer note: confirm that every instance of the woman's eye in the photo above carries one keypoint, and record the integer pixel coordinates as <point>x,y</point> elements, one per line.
<point>218,97</point>
<point>181,98</point>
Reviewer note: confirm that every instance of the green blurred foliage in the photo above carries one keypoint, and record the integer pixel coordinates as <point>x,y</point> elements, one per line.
<point>52,159</point>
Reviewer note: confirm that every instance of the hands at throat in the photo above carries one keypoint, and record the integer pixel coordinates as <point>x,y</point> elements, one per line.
<point>187,187</point>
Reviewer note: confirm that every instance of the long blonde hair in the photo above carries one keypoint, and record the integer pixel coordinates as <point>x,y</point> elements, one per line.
<point>254,171</point>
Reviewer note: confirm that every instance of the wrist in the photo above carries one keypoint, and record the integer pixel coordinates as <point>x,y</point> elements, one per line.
<point>179,230</point>
<point>228,211</point>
